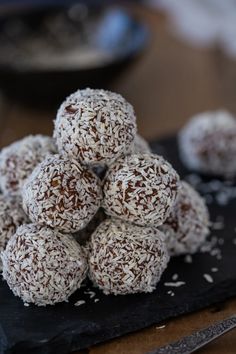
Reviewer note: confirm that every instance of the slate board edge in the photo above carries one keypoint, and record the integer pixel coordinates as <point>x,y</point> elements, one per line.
<point>69,341</point>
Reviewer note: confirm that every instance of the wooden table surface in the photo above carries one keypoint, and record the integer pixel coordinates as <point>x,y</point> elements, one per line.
<point>166,85</point>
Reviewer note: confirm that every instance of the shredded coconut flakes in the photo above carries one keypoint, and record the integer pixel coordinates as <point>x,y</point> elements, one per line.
<point>62,194</point>
<point>96,126</point>
<point>126,258</point>
<point>140,189</point>
<point>43,266</point>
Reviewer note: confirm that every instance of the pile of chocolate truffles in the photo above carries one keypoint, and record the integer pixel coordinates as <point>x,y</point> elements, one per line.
<point>92,201</point>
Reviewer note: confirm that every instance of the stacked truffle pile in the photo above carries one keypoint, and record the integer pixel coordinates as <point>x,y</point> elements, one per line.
<point>124,223</point>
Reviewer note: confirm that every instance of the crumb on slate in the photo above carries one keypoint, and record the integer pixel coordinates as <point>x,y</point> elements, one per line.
<point>175,276</point>
<point>208,278</point>
<point>171,293</point>
<point>91,294</point>
<point>188,258</point>
<point>175,284</point>
<point>214,269</point>
<point>79,302</point>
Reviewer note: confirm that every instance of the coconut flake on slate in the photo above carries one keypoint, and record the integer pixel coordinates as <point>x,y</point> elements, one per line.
<point>171,293</point>
<point>214,269</point>
<point>79,302</point>
<point>175,276</point>
<point>175,284</point>
<point>221,241</point>
<point>188,258</point>
<point>91,294</point>
<point>208,278</point>
<point>222,192</point>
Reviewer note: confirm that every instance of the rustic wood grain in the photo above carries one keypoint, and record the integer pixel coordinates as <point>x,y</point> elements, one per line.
<point>154,337</point>
<point>167,84</point>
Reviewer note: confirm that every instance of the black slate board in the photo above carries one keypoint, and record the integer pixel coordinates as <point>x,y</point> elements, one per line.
<point>64,328</point>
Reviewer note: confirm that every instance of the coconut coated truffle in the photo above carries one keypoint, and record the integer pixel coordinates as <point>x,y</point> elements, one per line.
<point>125,258</point>
<point>18,160</point>
<point>140,146</point>
<point>62,194</point>
<point>208,143</point>
<point>43,266</point>
<point>140,189</point>
<point>95,126</point>
<point>11,216</point>
<point>187,226</point>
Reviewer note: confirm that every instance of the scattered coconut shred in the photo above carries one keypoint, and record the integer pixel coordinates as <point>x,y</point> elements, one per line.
<point>79,302</point>
<point>175,276</point>
<point>214,270</point>
<point>171,293</point>
<point>208,278</point>
<point>91,294</point>
<point>188,258</point>
<point>175,284</point>
<point>218,225</point>
<point>211,247</point>
<point>220,191</point>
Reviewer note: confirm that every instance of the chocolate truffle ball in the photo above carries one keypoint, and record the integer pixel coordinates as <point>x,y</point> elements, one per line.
<point>18,160</point>
<point>140,189</point>
<point>208,143</point>
<point>95,126</point>
<point>11,216</point>
<point>62,194</point>
<point>125,258</point>
<point>187,226</point>
<point>43,266</point>
<point>140,146</point>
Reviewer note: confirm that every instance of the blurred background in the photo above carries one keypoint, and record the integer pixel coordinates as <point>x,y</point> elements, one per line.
<point>169,58</point>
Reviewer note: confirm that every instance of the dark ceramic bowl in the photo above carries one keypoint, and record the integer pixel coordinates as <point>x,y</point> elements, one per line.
<point>47,52</point>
